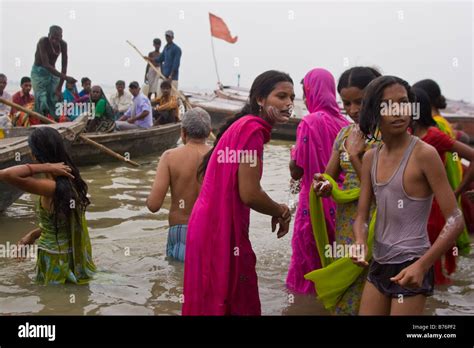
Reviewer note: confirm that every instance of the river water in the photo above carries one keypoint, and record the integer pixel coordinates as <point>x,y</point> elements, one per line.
<point>129,242</point>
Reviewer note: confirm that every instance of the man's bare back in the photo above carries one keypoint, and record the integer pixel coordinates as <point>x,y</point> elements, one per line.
<point>178,169</point>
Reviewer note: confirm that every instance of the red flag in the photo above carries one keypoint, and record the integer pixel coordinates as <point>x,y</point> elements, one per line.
<point>219,29</point>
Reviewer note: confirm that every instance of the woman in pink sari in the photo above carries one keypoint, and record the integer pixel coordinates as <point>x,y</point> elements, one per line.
<point>314,140</point>
<point>219,271</point>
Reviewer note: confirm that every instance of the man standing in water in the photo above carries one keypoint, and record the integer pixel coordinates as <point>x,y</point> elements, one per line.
<point>47,81</point>
<point>178,169</point>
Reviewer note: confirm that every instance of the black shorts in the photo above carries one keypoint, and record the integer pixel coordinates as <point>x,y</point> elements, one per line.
<point>380,274</point>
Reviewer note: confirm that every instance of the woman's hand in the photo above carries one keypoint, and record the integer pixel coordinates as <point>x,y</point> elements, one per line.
<point>321,186</point>
<point>28,239</point>
<point>355,142</point>
<point>411,276</point>
<point>283,220</point>
<point>358,253</point>
<point>60,169</point>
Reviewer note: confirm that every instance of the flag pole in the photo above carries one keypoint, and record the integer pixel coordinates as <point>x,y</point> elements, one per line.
<point>215,60</point>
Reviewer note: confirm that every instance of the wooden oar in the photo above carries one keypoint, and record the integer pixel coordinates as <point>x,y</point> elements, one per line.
<point>81,136</point>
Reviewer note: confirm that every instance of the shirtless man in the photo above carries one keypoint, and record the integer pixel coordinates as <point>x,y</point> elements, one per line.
<point>151,77</point>
<point>177,169</point>
<point>47,81</point>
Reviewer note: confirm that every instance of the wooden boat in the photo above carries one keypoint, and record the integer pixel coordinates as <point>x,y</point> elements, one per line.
<point>220,109</point>
<point>130,144</point>
<point>14,150</point>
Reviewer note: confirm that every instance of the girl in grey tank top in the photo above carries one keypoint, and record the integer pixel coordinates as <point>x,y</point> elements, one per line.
<point>400,230</point>
<point>401,270</point>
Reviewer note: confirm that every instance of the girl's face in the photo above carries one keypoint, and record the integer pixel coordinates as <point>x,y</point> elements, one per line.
<point>352,101</point>
<point>278,105</point>
<point>395,116</point>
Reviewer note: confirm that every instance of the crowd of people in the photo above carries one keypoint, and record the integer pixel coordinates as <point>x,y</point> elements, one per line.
<point>122,110</point>
<point>388,182</point>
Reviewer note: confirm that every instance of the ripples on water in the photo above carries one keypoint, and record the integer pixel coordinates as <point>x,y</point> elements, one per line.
<point>129,245</point>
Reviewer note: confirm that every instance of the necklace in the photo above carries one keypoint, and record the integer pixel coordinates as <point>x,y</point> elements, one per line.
<point>54,51</point>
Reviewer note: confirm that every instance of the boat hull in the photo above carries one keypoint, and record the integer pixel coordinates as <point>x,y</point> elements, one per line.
<point>131,144</point>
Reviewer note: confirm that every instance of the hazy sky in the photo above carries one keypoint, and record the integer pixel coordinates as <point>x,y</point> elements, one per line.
<point>413,40</point>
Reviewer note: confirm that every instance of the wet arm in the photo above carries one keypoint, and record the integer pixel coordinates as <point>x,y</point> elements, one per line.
<point>365,199</point>
<point>435,173</point>
<point>160,185</point>
<point>22,177</point>
<point>466,152</point>
<point>333,168</point>
<point>64,59</point>
<point>252,194</point>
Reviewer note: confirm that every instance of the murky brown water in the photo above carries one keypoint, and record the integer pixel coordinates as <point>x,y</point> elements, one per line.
<point>129,249</point>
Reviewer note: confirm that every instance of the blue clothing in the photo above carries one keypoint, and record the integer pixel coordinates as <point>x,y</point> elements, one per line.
<point>82,93</point>
<point>140,104</point>
<point>177,242</point>
<point>169,60</point>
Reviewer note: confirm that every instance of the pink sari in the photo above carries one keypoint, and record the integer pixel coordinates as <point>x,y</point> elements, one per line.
<point>314,141</point>
<point>219,271</point>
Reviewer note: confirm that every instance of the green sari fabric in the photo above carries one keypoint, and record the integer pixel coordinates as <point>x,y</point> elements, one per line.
<point>335,276</point>
<point>44,85</point>
<point>66,256</point>
<point>454,172</point>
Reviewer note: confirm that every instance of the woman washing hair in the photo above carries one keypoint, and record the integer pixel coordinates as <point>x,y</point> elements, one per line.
<point>62,237</point>
<point>219,272</point>
<point>402,174</point>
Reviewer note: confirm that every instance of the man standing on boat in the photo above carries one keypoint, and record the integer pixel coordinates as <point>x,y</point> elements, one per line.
<point>47,81</point>
<point>170,59</point>
<point>139,115</point>
<point>151,77</point>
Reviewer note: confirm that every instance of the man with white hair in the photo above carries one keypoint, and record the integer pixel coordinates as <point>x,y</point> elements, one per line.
<point>177,169</point>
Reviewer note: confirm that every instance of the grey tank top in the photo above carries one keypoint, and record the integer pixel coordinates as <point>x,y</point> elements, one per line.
<point>400,230</point>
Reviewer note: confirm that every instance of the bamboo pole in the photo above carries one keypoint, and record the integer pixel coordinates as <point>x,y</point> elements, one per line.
<point>181,95</point>
<point>81,136</point>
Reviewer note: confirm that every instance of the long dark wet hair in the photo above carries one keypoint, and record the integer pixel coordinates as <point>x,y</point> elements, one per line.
<point>431,88</point>
<point>426,119</point>
<point>47,146</point>
<point>369,116</point>
<point>262,86</point>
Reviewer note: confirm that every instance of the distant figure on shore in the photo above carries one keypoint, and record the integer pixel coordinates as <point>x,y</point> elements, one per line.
<point>47,81</point>
<point>220,277</point>
<point>64,247</point>
<point>139,115</point>
<point>120,100</point>
<point>177,170</point>
<point>170,59</point>
<point>152,79</point>
<point>315,137</point>
<point>166,107</point>
<point>4,108</point>
<point>23,98</point>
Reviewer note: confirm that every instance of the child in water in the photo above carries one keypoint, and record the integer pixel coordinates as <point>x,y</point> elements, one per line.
<point>403,173</point>
<point>64,248</point>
